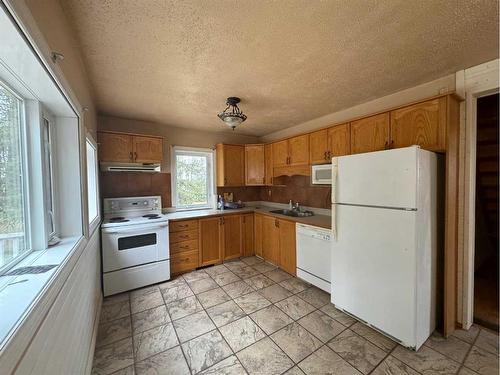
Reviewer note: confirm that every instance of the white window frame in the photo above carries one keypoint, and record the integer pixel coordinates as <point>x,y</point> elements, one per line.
<point>93,222</point>
<point>52,175</point>
<point>210,176</point>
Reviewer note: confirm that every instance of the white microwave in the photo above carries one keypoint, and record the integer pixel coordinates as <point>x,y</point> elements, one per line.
<point>321,174</point>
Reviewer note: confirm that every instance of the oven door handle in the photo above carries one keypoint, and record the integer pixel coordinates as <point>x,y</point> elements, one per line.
<point>133,229</point>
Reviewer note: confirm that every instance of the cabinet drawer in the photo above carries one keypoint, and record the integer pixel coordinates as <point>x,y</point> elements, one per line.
<point>178,226</point>
<point>183,246</point>
<point>184,236</point>
<point>183,261</point>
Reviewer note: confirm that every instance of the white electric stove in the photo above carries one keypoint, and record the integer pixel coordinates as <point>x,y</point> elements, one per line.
<point>135,245</point>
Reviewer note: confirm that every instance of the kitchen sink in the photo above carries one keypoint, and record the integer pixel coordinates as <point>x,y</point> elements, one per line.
<point>294,213</point>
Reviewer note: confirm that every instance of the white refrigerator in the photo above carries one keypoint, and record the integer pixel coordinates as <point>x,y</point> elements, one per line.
<point>385,215</point>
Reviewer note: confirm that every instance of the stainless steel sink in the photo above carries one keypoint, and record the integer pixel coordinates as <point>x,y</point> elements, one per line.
<point>294,213</point>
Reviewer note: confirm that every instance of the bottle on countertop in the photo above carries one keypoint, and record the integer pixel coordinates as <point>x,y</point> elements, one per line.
<point>220,203</point>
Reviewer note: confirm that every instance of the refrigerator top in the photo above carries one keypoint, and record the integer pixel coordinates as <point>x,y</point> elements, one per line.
<point>387,179</point>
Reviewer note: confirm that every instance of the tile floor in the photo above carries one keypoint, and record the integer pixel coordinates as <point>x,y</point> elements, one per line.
<point>246,316</point>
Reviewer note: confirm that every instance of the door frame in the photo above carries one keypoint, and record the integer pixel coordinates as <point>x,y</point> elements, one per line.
<point>473,83</point>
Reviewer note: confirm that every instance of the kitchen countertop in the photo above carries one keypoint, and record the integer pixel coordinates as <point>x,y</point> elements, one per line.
<point>323,221</point>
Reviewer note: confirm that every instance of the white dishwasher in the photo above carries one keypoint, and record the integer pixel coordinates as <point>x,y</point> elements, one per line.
<point>313,255</point>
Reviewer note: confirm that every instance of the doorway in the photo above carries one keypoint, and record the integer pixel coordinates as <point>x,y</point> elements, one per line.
<point>486,255</point>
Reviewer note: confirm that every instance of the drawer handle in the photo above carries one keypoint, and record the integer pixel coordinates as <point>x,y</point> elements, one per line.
<point>183,225</point>
<point>184,236</point>
<point>185,247</point>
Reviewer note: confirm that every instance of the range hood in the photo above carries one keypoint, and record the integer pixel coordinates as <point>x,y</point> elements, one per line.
<point>130,167</point>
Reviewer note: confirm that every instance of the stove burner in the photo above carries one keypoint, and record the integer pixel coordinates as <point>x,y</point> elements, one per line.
<point>151,216</point>
<point>118,219</point>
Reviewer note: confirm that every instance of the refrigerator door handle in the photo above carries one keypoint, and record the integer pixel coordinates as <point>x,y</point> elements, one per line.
<point>335,171</point>
<point>334,221</point>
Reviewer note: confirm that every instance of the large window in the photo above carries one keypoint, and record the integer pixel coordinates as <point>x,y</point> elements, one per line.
<point>192,171</point>
<point>13,234</point>
<point>92,185</point>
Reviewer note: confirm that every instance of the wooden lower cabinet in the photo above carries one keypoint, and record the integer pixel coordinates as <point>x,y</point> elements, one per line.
<point>258,234</point>
<point>270,239</point>
<point>183,246</point>
<point>287,247</point>
<point>231,226</point>
<point>248,237</point>
<point>210,247</point>
<point>182,262</point>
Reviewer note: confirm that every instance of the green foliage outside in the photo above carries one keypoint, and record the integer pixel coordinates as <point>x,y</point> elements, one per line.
<point>191,180</point>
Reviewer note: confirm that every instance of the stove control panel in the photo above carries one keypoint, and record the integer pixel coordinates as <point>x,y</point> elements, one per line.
<point>131,204</point>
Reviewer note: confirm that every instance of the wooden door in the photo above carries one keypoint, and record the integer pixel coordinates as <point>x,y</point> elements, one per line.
<point>339,140</point>
<point>254,165</point>
<point>115,147</point>
<point>270,239</point>
<point>268,158</point>
<point>280,153</point>
<point>234,165</point>
<point>318,147</point>
<point>232,236</point>
<point>370,134</point>
<point>287,252</point>
<point>210,240</point>
<point>298,150</point>
<point>421,124</point>
<point>258,234</point>
<point>147,149</point>
<point>247,231</point>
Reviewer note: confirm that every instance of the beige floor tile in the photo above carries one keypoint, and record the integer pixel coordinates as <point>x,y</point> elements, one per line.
<point>275,293</point>
<point>252,260</point>
<point>116,298</point>
<point>467,335</point>
<point>225,313</point>
<point>451,347</point>
<point>176,292</point>
<point>482,362</point>
<point>154,341</point>
<point>193,325</point>
<point>125,371</point>
<point>321,325</point>
<point>113,357</point>
<point>359,352</point>
<point>325,361</point>
<point>114,311</point>
<point>264,267</point>
<point>373,336</point>
<point>294,285</point>
<point>228,366</point>
<point>237,289</point>
<point>271,319</point>
<point>295,307</point>
<point>315,296</point>
<point>213,297</point>
<point>247,272</point>
<point>294,371</point>
<point>176,281</point>
<point>183,307</point>
<point>195,275</point>
<point>426,361</point>
<point>113,331</point>
<point>226,278</point>
<point>151,318</point>
<point>264,357</point>
<point>393,366</point>
<point>200,286</point>
<point>488,341</point>
<point>205,351</point>
<point>296,341</point>
<point>145,299</point>
<point>260,281</point>
<point>170,361</point>
<point>241,333</point>
<point>338,315</point>
<point>252,302</point>
<point>278,275</point>
<point>216,270</point>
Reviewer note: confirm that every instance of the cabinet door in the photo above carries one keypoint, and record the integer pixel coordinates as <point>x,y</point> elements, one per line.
<point>370,134</point>
<point>247,231</point>
<point>234,165</point>
<point>115,147</point>
<point>268,155</point>
<point>421,124</point>
<point>258,234</point>
<point>210,240</point>
<point>339,140</point>
<point>287,252</point>
<point>232,236</point>
<point>270,239</point>
<point>147,149</point>
<point>280,153</point>
<point>254,165</point>
<point>318,147</point>
<point>298,150</point>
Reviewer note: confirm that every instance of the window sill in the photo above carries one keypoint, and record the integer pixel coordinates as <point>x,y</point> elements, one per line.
<point>19,292</point>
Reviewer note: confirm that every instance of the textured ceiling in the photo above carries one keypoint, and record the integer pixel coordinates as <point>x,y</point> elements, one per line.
<point>175,62</point>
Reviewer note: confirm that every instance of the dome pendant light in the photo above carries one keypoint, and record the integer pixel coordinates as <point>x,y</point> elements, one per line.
<point>232,115</point>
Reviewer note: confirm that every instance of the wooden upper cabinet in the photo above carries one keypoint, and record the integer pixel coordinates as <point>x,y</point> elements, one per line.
<point>268,159</point>
<point>232,236</point>
<point>115,147</point>
<point>370,134</point>
<point>230,165</point>
<point>210,247</point>
<point>254,165</point>
<point>298,150</point>
<point>270,239</point>
<point>339,140</point>
<point>287,252</point>
<point>280,153</point>
<point>318,147</point>
<point>247,233</point>
<point>258,234</point>
<point>147,149</point>
<point>422,124</point>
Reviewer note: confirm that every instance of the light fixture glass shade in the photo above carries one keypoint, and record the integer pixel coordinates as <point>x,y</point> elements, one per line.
<point>232,120</point>
<point>232,115</point>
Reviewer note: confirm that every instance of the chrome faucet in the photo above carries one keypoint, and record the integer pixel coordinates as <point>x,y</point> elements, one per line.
<point>293,206</point>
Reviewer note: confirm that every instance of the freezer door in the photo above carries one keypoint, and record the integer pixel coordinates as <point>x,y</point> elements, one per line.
<point>373,268</point>
<point>382,178</point>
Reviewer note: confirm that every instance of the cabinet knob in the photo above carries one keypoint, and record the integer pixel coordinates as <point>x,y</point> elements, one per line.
<point>131,155</point>
<point>386,145</point>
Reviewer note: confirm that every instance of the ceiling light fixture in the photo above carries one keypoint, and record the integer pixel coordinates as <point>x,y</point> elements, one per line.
<point>232,115</point>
